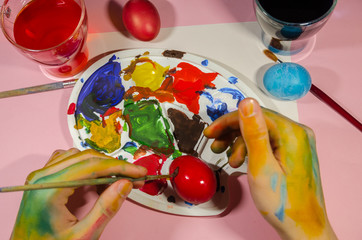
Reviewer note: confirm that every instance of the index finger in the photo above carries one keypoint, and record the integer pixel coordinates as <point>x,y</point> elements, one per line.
<point>224,124</point>
<point>95,167</point>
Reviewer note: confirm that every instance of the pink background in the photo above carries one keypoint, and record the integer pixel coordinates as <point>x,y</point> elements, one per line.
<point>32,127</point>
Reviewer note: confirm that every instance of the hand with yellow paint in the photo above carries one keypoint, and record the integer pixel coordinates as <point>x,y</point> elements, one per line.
<point>283,169</point>
<point>43,214</point>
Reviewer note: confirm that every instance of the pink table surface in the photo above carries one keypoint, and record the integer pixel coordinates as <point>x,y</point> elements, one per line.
<point>32,127</point>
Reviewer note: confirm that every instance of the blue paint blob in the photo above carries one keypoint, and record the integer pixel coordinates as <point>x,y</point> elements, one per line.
<point>216,110</point>
<point>82,80</point>
<point>101,91</point>
<point>207,95</point>
<point>236,94</point>
<point>233,80</point>
<point>287,81</point>
<point>205,63</point>
<point>187,203</point>
<point>217,107</point>
<point>130,144</point>
<point>84,144</point>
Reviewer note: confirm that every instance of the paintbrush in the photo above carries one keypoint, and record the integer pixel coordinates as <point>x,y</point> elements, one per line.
<point>38,88</point>
<point>84,182</point>
<point>323,96</point>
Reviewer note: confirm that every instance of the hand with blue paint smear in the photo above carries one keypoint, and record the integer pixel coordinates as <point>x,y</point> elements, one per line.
<point>283,170</point>
<point>43,214</point>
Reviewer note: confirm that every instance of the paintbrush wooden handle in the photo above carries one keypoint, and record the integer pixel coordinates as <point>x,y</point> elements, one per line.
<point>335,106</point>
<point>39,88</point>
<point>78,183</point>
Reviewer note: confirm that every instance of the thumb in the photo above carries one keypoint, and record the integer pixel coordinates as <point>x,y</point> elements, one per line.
<point>255,133</point>
<point>107,205</point>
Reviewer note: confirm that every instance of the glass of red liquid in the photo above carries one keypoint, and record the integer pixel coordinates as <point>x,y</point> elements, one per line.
<point>288,26</point>
<point>50,32</point>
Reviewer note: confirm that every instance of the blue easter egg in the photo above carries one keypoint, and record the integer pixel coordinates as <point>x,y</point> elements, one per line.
<point>287,81</point>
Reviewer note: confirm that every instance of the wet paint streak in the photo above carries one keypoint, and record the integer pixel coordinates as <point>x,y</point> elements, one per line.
<point>148,126</point>
<point>188,83</point>
<point>187,131</point>
<point>101,91</point>
<point>208,96</point>
<point>163,94</point>
<point>153,164</point>
<point>236,94</point>
<point>280,213</point>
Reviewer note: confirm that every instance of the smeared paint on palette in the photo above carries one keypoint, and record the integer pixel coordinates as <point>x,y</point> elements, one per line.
<point>150,108</point>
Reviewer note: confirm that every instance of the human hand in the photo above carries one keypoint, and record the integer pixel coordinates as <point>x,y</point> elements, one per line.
<point>43,214</point>
<point>283,169</point>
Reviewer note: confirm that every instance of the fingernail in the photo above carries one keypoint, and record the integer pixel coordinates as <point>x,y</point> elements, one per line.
<point>124,189</point>
<point>248,108</point>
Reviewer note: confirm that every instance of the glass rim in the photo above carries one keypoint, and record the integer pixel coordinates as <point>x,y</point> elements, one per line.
<point>295,23</point>
<point>12,41</point>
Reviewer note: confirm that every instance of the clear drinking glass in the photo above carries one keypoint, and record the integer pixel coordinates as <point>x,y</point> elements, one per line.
<point>61,60</point>
<point>289,25</point>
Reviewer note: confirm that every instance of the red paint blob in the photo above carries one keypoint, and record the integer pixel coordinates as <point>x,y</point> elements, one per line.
<point>71,109</point>
<point>195,182</point>
<point>153,164</point>
<point>188,83</point>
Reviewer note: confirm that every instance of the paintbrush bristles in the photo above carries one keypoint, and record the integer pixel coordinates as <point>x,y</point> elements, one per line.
<point>272,56</point>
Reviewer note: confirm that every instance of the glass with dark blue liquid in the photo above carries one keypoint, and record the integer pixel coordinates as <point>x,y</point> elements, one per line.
<point>288,25</point>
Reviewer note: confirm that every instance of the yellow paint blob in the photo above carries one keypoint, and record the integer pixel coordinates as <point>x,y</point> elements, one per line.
<point>149,74</point>
<point>107,135</point>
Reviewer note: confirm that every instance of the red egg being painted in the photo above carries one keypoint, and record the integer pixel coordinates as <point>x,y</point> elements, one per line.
<point>141,19</point>
<point>195,181</point>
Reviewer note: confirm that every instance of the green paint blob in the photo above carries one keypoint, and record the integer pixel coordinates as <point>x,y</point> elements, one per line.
<point>130,149</point>
<point>148,126</point>
<point>176,154</point>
